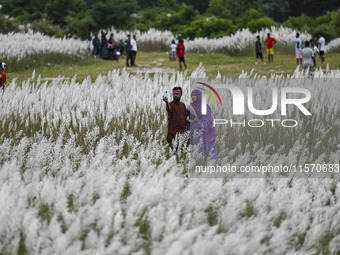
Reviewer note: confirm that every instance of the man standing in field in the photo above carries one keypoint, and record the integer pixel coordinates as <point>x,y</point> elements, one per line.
<point>308,58</point>
<point>3,76</point>
<point>96,45</point>
<point>133,50</point>
<point>270,50</point>
<point>298,49</point>
<point>258,49</point>
<point>181,54</point>
<point>128,50</point>
<point>322,43</point>
<point>177,115</point>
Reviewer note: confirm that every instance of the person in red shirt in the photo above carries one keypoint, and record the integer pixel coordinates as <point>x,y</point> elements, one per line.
<point>270,50</point>
<point>3,76</point>
<point>181,54</point>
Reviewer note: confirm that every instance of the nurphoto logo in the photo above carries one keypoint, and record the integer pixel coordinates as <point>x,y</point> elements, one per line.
<point>238,104</point>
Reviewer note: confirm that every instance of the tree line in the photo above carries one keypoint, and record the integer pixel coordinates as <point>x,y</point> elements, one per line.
<point>191,18</point>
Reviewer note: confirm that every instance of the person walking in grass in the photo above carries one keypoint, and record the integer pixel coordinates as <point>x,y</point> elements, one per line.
<point>308,58</point>
<point>322,44</point>
<point>298,49</point>
<point>270,50</point>
<point>3,76</point>
<point>181,54</point>
<point>258,49</point>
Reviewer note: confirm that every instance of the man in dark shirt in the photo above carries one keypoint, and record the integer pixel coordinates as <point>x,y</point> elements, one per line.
<point>177,115</point>
<point>258,49</point>
<point>128,50</point>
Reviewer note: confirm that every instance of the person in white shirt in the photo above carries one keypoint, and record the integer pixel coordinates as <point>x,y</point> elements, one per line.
<point>173,47</point>
<point>133,50</point>
<point>322,43</point>
<point>308,58</point>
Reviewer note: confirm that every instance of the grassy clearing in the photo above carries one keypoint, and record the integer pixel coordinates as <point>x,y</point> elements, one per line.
<point>151,62</point>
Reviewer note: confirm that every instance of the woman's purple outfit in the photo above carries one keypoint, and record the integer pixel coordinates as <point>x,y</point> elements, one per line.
<point>204,138</point>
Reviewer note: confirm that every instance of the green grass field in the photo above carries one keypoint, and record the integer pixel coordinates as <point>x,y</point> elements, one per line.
<point>151,62</point>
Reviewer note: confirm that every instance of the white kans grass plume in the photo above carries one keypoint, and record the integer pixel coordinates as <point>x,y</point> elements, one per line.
<point>333,46</point>
<point>242,40</point>
<point>84,169</point>
<point>20,45</point>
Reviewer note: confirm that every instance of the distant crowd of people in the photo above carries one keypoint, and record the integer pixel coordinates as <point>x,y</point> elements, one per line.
<point>305,56</point>
<point>104,48</point>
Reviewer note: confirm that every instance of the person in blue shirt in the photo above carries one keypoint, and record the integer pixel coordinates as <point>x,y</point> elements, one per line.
<point>298,49</point>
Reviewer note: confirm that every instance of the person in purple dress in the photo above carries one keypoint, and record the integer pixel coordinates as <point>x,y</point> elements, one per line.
<point>202,130</point>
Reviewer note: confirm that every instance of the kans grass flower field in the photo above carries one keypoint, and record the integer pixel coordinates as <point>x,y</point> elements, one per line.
<point>85,169</point>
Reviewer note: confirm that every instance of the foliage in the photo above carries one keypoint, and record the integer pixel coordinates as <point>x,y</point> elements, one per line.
<point>172,21</point>
<point>219,8</point>
<point>47,28</point>
<point>335,23</point>
<point>326,24</point>
<point>181,16</point>
<point>264,22</point>
<point>209,27</point>
<point>80,24</point>
<point>114,13</point>
<point>8,25</point>
<point>255,20</point>
<point>248,16</point>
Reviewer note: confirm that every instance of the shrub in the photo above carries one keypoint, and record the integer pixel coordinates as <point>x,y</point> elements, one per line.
<point>300,22</point>
<point>264,22</point>
<point>209,27</point>
<point>47,28</point>
<point>8,25</point>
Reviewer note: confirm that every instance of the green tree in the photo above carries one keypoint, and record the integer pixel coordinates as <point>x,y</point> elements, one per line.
<point>335,23</point>
<point>220,9</point>
<point>47,28</point>
<point>58,10</point>
<point>248,16</point>
<point>209,27</point>
<point>201,5</point>
<point>257,25</point>
<point>176,21</point>
<point>116,13</point>
<point>81,23</point>
<point>15,8</point>
<point>303,21</point>
<point>8,25</point>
